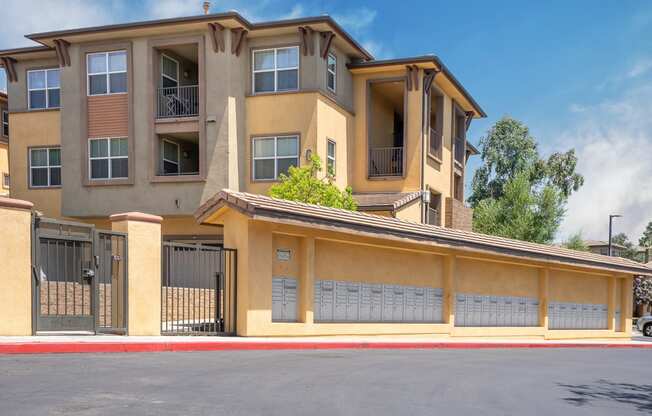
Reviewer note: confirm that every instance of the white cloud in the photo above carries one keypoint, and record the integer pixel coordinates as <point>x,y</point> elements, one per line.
<point>613,141</point>
<point>640,67</point>
<point>377,49</point>
<point>356,20</point>
<point>160,9</point>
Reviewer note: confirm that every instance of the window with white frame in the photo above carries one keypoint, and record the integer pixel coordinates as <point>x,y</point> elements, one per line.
<point>108,158</point>
<point>273,156</point>
<point>5,181</point>
<point>45,167</point>
<point>330,157</point>
<point>276,69</point>
<point>107,72</point>
<point>43,89</point>
<point>331,72</point>
<point>5,123</point>
<point>169,72</point>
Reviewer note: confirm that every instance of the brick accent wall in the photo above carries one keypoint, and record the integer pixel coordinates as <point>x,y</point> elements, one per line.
<point>458,215</point>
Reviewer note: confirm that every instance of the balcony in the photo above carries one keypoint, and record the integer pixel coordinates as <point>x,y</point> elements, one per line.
<point>385,161</point>
<point>176,102</point>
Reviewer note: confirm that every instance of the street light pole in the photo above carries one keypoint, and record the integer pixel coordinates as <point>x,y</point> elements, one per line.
<point>611,217</point>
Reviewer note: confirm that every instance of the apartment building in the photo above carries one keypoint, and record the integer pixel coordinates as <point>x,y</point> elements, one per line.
<point>4,145</point>
<point>159,116</point>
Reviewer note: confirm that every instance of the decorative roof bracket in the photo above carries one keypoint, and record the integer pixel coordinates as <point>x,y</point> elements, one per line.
<point>216,31</point>
<point>8,62</point>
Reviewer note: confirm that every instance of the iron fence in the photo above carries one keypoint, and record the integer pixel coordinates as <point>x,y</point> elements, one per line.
<point>182,101</point>
<point>385,161</point>
<point>198,289</point>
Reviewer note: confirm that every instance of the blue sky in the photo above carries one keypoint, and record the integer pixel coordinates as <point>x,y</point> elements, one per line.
<point>578,73</point>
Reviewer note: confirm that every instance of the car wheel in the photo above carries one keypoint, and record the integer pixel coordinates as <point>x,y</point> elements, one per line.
<point>647,330</point>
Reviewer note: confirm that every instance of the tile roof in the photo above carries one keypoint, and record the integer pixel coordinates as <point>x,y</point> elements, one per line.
<point>600,243</point>
<point>384,201</point>
<point>262,207</point>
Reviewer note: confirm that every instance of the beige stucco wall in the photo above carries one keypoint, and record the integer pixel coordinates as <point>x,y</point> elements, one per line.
<point>4,166</point>
<point>15,277</point>
<point>33,129</point>
<point>410,212</point>
<point>320,254</point>
<point>144,271</point>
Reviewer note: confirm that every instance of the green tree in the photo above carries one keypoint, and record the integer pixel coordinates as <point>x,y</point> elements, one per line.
<point>646,238</point>
<point>629,252</point>
<point>643,292</point>
<point>522,212</point>
<point>576,242</point>
<point>303,185</point>
<point>514,177</point>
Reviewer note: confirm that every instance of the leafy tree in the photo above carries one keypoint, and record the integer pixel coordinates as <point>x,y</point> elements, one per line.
<point>629,252</point>
<point>303,185</point>
<point>522,212</point>
<point>643,291</point>
<point>646,238</point>
<point>576,242</point>
<point>514,177</point>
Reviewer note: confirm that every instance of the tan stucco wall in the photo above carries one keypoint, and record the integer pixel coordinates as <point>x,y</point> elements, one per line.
<point>33,129</point>
<point>578,288</point>
<point>4,166</point>
<point>335,123</point>
<point>15,277</point>
<point>410,212</point>
<point>497,279</point>
<point>144,271</point>
<point>320,254</point>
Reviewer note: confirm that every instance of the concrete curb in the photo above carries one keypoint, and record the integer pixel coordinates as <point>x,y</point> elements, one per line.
<point>117,347</point>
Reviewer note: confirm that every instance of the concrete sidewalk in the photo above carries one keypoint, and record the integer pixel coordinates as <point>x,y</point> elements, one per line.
<point>111,343</point>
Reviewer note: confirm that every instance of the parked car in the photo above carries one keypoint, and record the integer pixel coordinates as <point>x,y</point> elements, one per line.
<point>644,324</point>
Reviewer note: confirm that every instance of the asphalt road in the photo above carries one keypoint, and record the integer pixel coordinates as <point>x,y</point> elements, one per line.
<point>397,382</point>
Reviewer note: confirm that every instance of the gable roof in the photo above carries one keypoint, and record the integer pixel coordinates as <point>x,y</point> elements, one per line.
<point>266,208</point>
<point>600,243</point>
<point>384,201</point>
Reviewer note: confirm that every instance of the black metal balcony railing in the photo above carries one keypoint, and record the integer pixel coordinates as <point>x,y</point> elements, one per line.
<point>459,150</point>
<point>385,161</point>
<point>178,102</point>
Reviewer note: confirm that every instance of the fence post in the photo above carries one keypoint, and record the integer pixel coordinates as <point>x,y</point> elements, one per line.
<point>16,260</point>
<point>143,270</point>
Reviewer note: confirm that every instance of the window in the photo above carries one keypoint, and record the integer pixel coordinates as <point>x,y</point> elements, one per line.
<point>45,167</point>
<point>434,209</point>
<point>107,72</point>
<point>43,89</point>
<point>169,72</point>
<point>170,156</point>
<point>330,157</point>
<point>108,158</point>
<point>5,123</point>
<point>436,126</point>
<point>5,181</point>
<point>331,72</point>
<point>276,69</point>
<point>274,155</point>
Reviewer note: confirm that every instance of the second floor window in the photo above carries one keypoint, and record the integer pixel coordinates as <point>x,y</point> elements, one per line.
<point>169,72</point>
<point>330,157</point>
<point>274,156</point>
<point>276,69</point>
<point>43,89</point>
<point>5,123</point>
<point>331,72</point>
<point>45,167</point>
<point>108,158</point>
<point>107,72</point>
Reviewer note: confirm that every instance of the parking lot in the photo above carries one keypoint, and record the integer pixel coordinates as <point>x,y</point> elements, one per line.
<point>378,382</point>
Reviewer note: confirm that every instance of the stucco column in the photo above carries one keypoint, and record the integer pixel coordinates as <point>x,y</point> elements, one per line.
<point>626,304</point>
<point>143,270</point>
<point>611,303</point>
<point>450,289</point>
<point>16,261</point>
<point>544,286</point>
<point>307,280</point>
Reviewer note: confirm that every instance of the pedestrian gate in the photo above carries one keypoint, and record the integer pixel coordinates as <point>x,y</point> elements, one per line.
<point>79,278</point>
<point>198,289</point>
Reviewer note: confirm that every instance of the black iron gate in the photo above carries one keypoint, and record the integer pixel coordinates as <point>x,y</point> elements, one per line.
<point>198,289</point>
<point>80,278</point>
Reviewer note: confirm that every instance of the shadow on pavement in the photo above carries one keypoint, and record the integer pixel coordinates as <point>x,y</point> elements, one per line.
<point>638,396</point>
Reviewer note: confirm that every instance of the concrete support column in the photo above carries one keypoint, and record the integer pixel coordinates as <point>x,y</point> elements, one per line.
<point>626,304</point>
<point>16,261</point>
<point>544,290</point>
<point>143,270</point>
<point>307,280</point>
<point>450,289</point>
<point>611,303</point>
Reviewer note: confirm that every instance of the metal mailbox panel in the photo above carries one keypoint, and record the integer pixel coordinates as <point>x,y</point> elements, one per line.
<point>353,301</point>
<point>327,300</point>
<point>399,304</point>
<point>460,310</point>
<point>341,301</point>
<point>277,299</point>
<point>290,299</point>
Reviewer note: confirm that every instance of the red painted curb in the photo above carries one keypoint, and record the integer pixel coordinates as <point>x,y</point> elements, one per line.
<point>115,347</point>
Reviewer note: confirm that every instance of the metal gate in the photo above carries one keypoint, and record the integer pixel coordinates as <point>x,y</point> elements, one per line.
<point>198,289</point>
<point>80,278</point>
